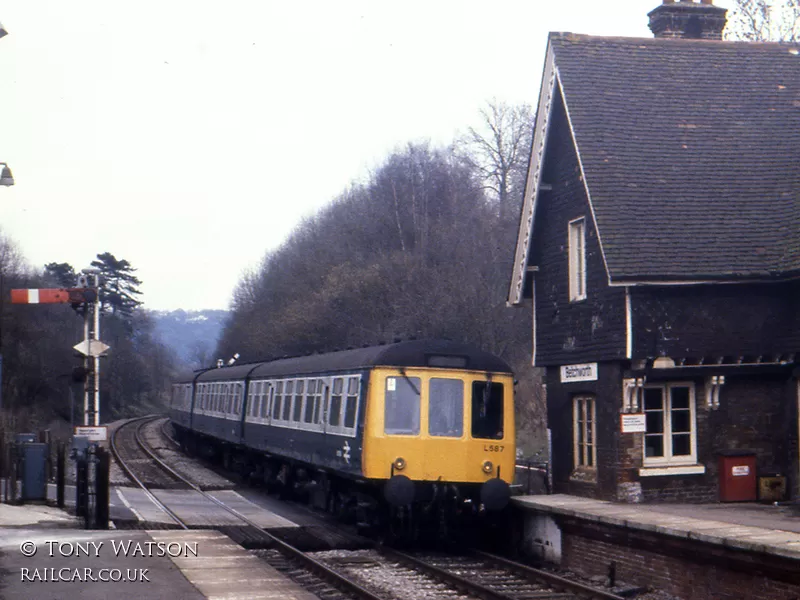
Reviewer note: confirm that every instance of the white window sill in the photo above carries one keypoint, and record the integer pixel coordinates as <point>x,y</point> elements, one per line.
<point>676,470</point>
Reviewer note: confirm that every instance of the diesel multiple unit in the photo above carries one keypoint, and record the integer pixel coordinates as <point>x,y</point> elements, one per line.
<point>426,425</point>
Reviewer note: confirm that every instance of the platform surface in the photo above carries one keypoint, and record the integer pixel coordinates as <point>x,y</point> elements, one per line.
<point>44,555</point>
<point>750,527</point>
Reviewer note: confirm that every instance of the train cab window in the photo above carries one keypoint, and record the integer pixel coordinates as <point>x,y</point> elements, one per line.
<point>401,407</point>
<point>287,400</point>
<point>487,410</point>
<point>446,407</point>
<point>298,401</point>
<point>335,408</point>
<point>351,405</point>
<point>277,402</point>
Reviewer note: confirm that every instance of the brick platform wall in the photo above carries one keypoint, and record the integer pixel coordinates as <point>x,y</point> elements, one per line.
<point>692,570</point>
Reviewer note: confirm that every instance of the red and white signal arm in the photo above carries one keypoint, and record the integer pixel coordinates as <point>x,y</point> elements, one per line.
<point>53,296</point>
<point>43,296</point>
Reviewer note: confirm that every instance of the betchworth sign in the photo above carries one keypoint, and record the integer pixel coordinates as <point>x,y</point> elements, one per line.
<point>585,372</point>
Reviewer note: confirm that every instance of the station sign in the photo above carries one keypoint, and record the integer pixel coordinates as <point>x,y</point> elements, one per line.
<point>633,423</point>
<point>583,372</point>
<point>95,433</point>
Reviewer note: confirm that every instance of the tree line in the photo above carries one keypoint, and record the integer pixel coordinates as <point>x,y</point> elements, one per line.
<point>421,249</point>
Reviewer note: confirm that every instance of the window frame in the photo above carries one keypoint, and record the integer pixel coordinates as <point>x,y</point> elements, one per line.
<point>581,449</point>
<point>669,459</point>
<point>576,259</point>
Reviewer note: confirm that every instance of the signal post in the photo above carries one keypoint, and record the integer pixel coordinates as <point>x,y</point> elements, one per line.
<point>84,299</point>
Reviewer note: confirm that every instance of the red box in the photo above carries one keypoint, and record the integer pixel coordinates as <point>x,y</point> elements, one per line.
<point>737,476</point>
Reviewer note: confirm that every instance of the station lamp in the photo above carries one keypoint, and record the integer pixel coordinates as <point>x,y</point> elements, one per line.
<point>6,178</point>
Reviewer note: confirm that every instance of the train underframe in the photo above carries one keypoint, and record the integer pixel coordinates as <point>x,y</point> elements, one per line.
<point>437,510</point>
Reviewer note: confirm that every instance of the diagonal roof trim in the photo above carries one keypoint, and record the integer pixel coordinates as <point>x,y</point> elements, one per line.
<point>552,79</point>
<point>534,177</point>
<point>583,176</point>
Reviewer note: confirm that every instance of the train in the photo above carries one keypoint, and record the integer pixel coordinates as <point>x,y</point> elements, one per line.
<point>403,435</point>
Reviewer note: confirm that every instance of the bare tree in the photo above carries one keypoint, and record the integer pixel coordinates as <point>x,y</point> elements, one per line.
<point>498,150</point>
<point>765,20</point>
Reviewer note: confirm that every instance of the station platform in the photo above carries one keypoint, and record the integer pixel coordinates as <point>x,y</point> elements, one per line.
<point>762,528</point>
<point>43,554</point>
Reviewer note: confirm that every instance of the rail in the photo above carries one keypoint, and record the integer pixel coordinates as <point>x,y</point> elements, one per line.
<point>309,562</point>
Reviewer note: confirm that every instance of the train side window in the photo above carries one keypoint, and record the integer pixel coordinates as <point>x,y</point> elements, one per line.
<point>351,406</point>
<point>257,409</point>
<point>311,391</point>
<point>446,407</point>
<point>335,410</point>
<point>277,402</point>
<point>298,401</point>
<point>266,391</point>
<point>401,406</point>
<point>228,397</point>
<point>318,399</point>
<point>287,402</point>
<point>487,410</point>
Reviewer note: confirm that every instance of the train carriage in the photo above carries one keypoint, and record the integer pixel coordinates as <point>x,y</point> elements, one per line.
<point>412,423</point>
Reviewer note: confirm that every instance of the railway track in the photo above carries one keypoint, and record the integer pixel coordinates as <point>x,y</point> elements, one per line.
<point>381,573</point>
<point>303,566</point>
<point>138,461</point>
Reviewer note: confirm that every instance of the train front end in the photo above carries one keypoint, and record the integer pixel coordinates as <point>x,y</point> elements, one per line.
<point>441,440</point>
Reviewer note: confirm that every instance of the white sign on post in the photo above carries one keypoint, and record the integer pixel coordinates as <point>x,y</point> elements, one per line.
<point>92,348</point>
<point>584,372</point>
<point>96,433</point>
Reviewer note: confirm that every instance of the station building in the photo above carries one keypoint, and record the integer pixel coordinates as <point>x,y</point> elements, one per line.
<point>659,246</point>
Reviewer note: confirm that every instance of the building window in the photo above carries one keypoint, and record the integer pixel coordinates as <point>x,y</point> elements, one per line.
<point>584,432</point>
<point>577,260</point>
<point>671,436</point>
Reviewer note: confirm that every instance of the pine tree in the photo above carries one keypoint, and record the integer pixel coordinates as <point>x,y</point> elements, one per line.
<point>118,285</point>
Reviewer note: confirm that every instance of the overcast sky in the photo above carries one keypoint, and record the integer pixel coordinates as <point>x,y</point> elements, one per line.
<point>190,137</point>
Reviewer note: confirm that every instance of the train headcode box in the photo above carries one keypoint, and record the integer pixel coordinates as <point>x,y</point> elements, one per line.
<point>95,433</point>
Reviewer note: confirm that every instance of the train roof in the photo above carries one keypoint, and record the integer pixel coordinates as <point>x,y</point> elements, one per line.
<point>414,353</point>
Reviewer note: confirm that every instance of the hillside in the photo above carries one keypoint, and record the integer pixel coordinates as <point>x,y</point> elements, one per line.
<point>192,334</point>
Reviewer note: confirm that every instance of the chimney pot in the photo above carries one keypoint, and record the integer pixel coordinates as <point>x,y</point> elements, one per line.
<point>687,19</point>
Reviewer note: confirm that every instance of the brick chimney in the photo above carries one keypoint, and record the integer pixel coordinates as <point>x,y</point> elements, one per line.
<point>688,20</point>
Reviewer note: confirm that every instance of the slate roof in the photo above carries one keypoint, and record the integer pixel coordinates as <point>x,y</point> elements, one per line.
<point>691,154</point>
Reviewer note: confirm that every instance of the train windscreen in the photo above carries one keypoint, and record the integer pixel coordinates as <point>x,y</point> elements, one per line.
<point>487,410</point>
<point>402,406</point>
<point>446,407</point>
